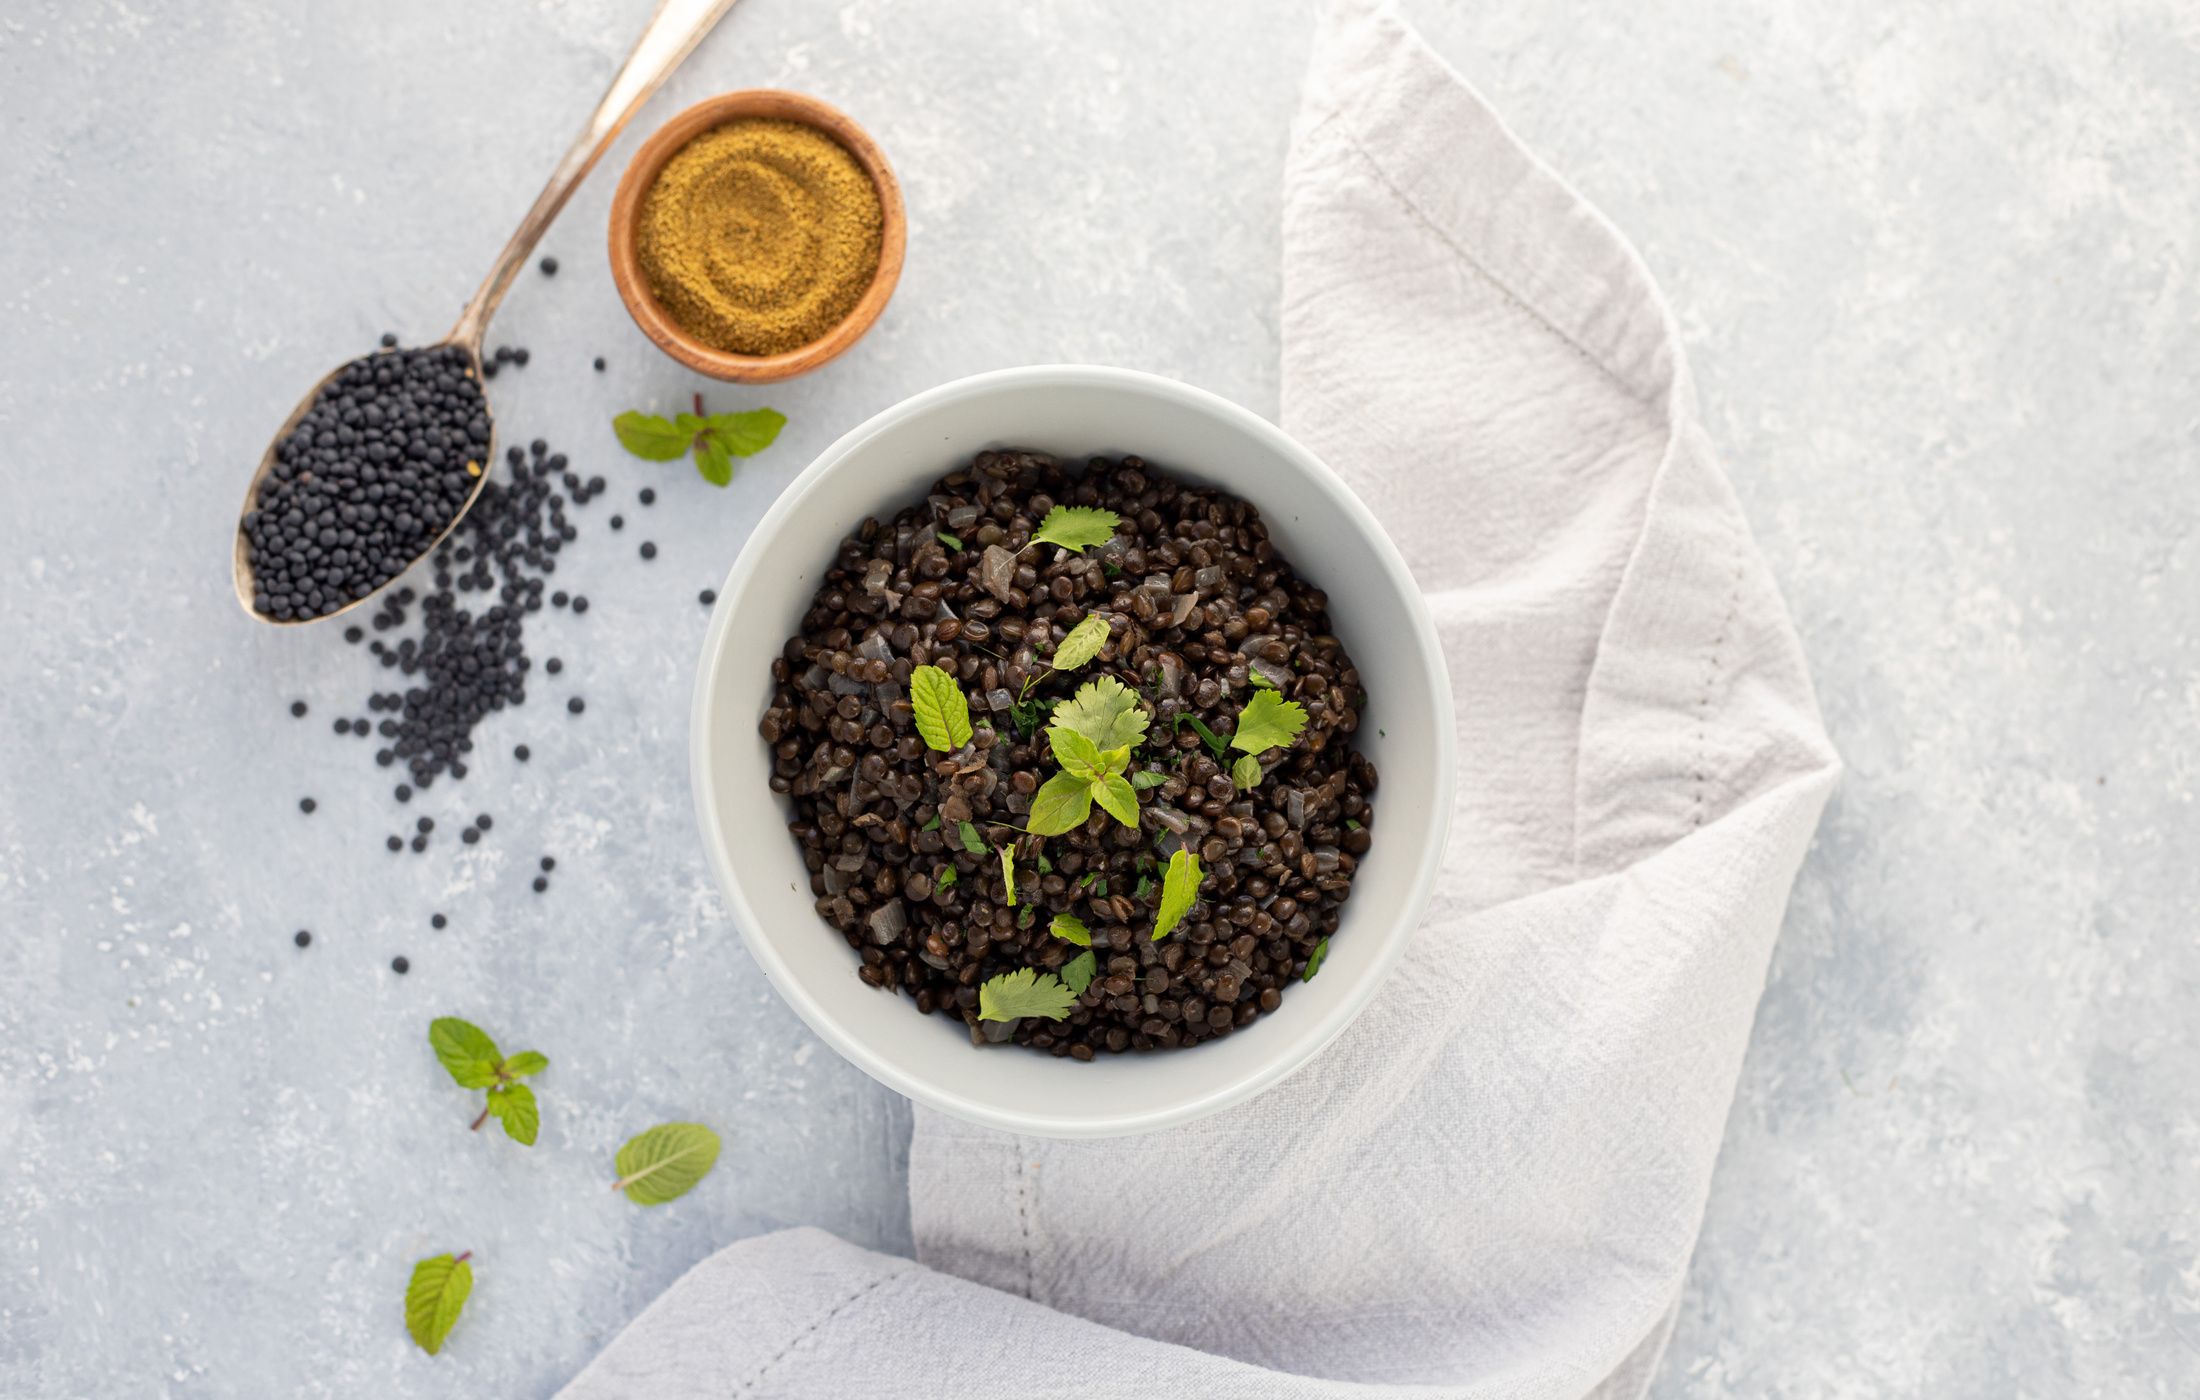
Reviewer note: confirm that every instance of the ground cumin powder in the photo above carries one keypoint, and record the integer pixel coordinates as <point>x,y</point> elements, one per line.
<point>760,235</point>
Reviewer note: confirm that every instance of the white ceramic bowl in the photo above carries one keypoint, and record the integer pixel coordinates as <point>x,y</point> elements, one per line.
<point>1074,412</point>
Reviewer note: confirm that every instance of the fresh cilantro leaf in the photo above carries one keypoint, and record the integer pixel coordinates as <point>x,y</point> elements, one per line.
<point>1144,887</point>
<point>1063,803</point>
<point>746,434</point>
<point>1082,644</point>
<point>1105,711</point>
<point>1024,918</point>
<point>947,879</point>
<point>971,841</point>
<point>1100,886</point>
<point>1117,798</point>
<point>932,825</point>
<point>1246,772</point>
<point>1046,867</point>
<point>514,1106</point>
<point>1078,972</point>
<point>1008,873</point>
<point>953,542</point>
<point>1179,891</point>
<point>1077,528</point>
<point>664,1163</point>
<point>1259,678</point>
<point>941,711</point>
<point>1071,929</point>
<point>1315,960</point>
<point>1146,779</point>
<point>1212,740</point>
<point>1351,825</point>
<point>1074,752</point>
<point>1024,992</point>
<point>1028,715</point>
<point>466,1051</point>
<point>712,460</point>
<point>435,1296</point>
<point>1087,878</point>
<point>1112,571</point>
<point>652,438</point>
<point>526,1062</point>
<point>1268,721</point>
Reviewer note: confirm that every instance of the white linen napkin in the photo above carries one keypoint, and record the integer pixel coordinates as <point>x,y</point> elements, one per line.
<point>1491,1184</point>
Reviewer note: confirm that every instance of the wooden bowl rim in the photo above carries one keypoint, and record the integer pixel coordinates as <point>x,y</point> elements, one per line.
<point>641,172</point>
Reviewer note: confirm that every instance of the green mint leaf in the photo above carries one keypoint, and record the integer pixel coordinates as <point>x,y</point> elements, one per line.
<point>1179,890</point>
<point>712,460</point>
<point>1246,773</point>
<point>1086,880</point>
<point>652,438</point>
<point>1145,887</point>
<point>1078,972</point>
<point>1077,528</point>
<point>953,542</point>
<point>664,1163</point>
<point>746,434</point>
<point>434,1298</point>
<point>526,1062</point>
<point>1212,740</point>
<point>1147,779</point>
<point>1351,825</point>
<point>1024,918</point>
<point>947,879</point>
<point>1008,874</point>
<point>1268,721</point>
<point>1063,803</point>
<point>1117,799</point>
<point>1100,886</point>
<point>1259,678</point>
<point>465,1050</point>
<point>1315,960</point>
<point>1046,867</point>
<point>1071,929</point>
<point>932,825</point>
<point>514,1106</point>
<point>1075,752</point>
<point>1082,644</point>
<point>1105,711</point>
<point>970,839</point>
<point>940,709</point>
<point>1024,992</point>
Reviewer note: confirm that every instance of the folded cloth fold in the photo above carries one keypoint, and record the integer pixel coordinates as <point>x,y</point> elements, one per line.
<point>1490,1185</point>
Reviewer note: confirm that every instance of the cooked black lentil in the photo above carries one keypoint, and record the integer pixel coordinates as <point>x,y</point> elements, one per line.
<point>386,454</point>
<point>1196,597</point>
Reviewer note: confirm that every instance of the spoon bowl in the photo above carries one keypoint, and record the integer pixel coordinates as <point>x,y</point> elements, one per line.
<point>671,35</point>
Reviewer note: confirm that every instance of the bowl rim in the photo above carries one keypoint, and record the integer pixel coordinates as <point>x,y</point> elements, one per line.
<point>1299,1050</point>
<point>667,141</point>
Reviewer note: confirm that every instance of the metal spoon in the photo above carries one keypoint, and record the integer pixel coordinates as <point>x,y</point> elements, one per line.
<point>673,32</point>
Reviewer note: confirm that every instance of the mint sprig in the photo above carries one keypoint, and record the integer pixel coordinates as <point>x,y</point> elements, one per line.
<point>714,438</point>
<point>1179,891</point>
<point>434,1297</point>
<point>665,1162</point>
<point>474,1062</point>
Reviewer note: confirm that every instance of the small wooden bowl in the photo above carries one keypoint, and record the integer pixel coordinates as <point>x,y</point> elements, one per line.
<point>641,173</point>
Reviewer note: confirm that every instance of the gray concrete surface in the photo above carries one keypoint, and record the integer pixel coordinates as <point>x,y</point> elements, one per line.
<point>1936,267</point>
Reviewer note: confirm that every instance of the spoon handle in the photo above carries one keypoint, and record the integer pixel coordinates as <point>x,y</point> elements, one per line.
<point>673,32</point>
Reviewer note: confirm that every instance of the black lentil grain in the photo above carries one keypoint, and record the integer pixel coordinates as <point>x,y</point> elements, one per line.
<point>389,340</point>
<point>649,549</point>
<point>424,825</point>
<point>599,364</point>
<point>549,863</point>
<point>396,843</point>
<point>400,965</point>
<point>297,709</point>
<point>549,267</point>
<point>306,805</point>
<point>520,752</point>
<point>483,821</point>
<point>618,522</point>
<point>553,665</point>
<point>302,938</point>
<point>437,921</point>
<point>419,844</point>
<point>707,597</point>
<point>580,602</point>
<point>541,884</point>
<point>471,835</point>
<point>648,496</point>
<point>576,705</point>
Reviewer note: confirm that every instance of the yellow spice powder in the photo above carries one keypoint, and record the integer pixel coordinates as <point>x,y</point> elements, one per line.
<point>760,235</point>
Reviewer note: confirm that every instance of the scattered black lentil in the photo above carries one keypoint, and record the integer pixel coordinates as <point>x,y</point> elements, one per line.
<point>576,705</point>
<point>1196,598</point>
<point>649,549</point>
<point>386,454</point>
<point>541,884</point>
<point>302,938</point>
<point>707,597</point>
<point>400,965</point>
<point>403,792</point>
<point>599,364</point>
<point>297,709</point>
<point>342,726</point>
<point>306,805</point>
<point>549,267</point>
<point>520,752</point>
<point>389,340</point>
<point>618,522</point>
<point>483,821</point>
<point>419,844</point>
<point>648,496</point>
<point>470,835</point>
<point>580,602</point>
<point>424,825</point>
<point>549,863</point>
<point>553,665</point>
<point>396,843</point>
<point>437,921</point>
<point>353,635</point>
<point>559,599</point>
